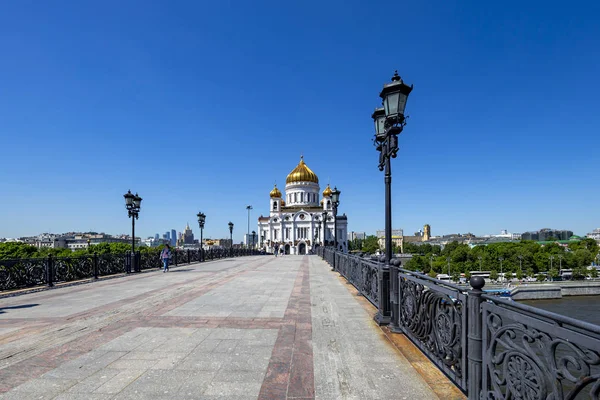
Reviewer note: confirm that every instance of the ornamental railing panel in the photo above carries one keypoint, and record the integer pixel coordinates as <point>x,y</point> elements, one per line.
<point>111,264</point>
<point>67,269</point>
<point>532,354</point>
<point>433,316</point>
<point>22,273</point>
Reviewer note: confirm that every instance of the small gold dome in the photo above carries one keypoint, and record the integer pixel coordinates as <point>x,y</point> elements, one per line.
<point>302,174</point>
<point>327,191</point>
<point>275,193</point>
<point>282,203</point>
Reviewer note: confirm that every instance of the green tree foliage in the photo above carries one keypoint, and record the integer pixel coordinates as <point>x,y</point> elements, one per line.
<point>519,274</point>
<point>593,273</point>
<point>21,250</point>
<point>494,275</point>
<point>535,258</point>
<point>370,244</point>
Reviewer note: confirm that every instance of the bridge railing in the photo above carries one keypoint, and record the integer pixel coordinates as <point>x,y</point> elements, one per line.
<point>489,347</point>
<point>30,272</point>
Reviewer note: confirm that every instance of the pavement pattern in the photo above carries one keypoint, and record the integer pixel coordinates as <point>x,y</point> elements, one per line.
<point>258,327</point>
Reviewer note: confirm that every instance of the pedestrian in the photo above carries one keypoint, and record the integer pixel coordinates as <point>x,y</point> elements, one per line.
<point>276,249</point>
<point>282,251</point>
<point>165,256</point>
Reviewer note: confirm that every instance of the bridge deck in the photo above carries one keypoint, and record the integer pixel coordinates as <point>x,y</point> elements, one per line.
<point>244,328</point>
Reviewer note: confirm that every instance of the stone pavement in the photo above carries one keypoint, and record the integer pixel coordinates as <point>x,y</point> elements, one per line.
<point>256,327</point>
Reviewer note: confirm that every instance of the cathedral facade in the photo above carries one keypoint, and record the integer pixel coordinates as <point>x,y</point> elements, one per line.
<point>295,221</point>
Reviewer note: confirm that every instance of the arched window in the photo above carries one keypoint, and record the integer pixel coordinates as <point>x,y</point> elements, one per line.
<point>295,197</point>
<point>328,204</point>
<point>274,205</point>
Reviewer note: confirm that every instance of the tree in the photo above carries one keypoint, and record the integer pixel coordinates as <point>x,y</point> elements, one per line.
<point>456,276</point>
<point>432,274</point>
<point>530,273</point>
<point>467,275</point>
<point>593,273</point>
<point>553,273</point>
<point>541,277</point>
<point>494,275</point>
<point>519,274</point>
<point>370,244</point>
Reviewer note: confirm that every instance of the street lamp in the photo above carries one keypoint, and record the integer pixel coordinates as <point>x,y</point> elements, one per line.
<point>248,207</point>
<point>501,273</point>
<point>133,203</point>
<point>560,257</point>
<point>479,258</point>
<point>335,202</point>
<point>230,237</point>
<point>551,259</point>
<point>201,220</point>
<point>520,257</point>
<point>324,215</point>
<point>88,242</point>
<point>389,123</point>
<point>448,259</point>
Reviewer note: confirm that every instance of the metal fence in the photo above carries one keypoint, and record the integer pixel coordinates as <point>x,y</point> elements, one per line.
<point>31,272</point>
<point>489,347</point>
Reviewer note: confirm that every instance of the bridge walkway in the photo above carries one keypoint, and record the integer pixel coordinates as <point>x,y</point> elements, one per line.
<point>258,327</point>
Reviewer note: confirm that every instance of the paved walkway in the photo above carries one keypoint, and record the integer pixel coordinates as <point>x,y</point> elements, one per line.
<point>247,328</point>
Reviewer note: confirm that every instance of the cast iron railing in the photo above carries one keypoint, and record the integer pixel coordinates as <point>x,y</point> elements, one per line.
<point>31,272</point>
<point>489,347</point>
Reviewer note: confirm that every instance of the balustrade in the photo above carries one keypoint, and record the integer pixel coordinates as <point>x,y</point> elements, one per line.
<point>489,347</point>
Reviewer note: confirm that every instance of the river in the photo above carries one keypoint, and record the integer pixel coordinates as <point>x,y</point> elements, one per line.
<point>585,308</point>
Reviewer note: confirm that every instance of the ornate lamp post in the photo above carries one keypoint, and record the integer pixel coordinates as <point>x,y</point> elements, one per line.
<point>324,215</point>
<point>389,123</point>
<point>335,202</point>
<point>133,203</point>
<point>201,220</point>
<point>248,233</point>
<point>230,238</point>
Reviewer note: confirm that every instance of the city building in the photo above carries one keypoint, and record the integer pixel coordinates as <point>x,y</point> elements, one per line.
<point>173,237</point>
<point>546,234</point>
<point>397,238</point>
<point>156,236</point>
<point>187,237</point>
<point>357,236</point>
<point>251,240</point>
<point>595,234</point>
<point>296,223</point>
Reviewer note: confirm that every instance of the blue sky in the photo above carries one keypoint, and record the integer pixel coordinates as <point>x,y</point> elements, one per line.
<point>204,105</point>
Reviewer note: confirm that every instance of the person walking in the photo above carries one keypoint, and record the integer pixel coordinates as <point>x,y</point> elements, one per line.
<point>165,256</point>
<point>276,249</point>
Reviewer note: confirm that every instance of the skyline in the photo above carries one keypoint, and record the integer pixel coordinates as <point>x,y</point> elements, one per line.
<point>202,107</point>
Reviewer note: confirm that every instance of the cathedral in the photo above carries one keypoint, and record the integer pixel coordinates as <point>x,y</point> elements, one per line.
<point>295,221</point>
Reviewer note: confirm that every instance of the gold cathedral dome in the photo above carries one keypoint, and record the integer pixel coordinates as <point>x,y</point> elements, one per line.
<point>327,191</point>
<point>275,193</point>
<point>302,174</point>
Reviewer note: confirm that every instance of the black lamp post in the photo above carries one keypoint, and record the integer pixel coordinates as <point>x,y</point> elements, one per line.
<point>231,238</point>
<point>248,233</point>
<point>335,202</point>
<point>324,215</point>
<point>133,203</point>
<point>201,220</point>
<point>389,123</point>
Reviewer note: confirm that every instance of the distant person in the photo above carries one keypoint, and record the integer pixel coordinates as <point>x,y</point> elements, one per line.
<point>165,256</point>
<point>282,250</point>
<point>276,249</point>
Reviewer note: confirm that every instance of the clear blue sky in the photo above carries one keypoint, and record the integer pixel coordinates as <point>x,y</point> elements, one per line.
<point>204,105</point>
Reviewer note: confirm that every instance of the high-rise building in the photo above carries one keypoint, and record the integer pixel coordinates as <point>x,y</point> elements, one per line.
<point>187,237</point>
<point>167,236</point>
<point>156,236</point>
<point>173,237</point>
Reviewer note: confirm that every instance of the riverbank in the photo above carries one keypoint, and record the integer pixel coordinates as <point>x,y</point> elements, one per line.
<point>554,290</point>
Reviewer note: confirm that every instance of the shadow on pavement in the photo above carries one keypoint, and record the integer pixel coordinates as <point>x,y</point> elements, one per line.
<point>16,307</point>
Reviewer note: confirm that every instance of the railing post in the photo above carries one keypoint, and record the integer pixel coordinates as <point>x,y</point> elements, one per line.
<point>175,257</point>
<point>95,265</point>
<point>474,343</point>
<point>383,314</point>
<point>128,263</point>
<point>49,267</point>
<point>188,255</point>
<point>394,296</point>
<point>138,261</point>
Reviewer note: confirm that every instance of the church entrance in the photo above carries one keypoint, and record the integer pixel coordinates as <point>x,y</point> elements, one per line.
<point>287,249</point>
<point>302,248</point>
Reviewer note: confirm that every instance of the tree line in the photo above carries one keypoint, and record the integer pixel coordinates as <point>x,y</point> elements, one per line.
<point>14,250</point>
<point>524,258</point>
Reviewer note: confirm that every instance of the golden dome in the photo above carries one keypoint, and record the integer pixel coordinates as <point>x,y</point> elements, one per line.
<point>282,203</point>
<point>302,174</point>
<point>275,193</point>
<point>327,191</point>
